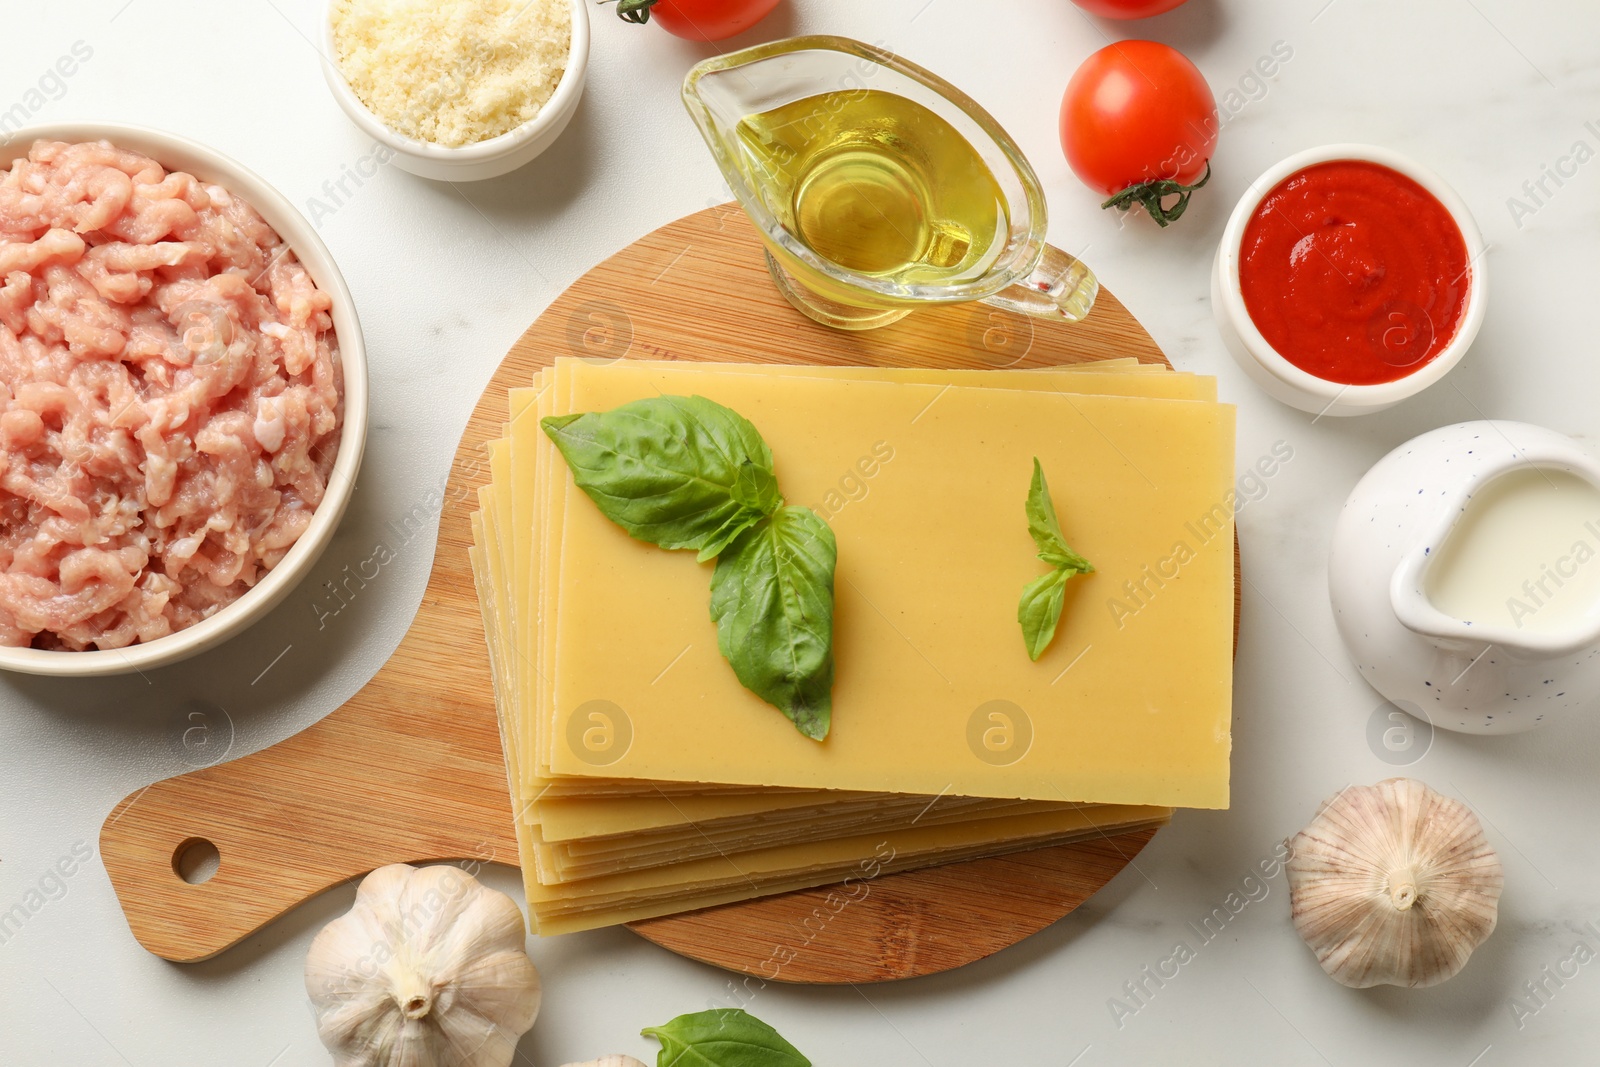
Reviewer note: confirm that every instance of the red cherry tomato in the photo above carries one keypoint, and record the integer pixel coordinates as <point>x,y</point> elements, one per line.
<point>1139,124</point>
<point>1127,9</point>
<point>698,20</point>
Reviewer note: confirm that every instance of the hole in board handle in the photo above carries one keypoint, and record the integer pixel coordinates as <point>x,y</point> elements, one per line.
<point>196,860</point>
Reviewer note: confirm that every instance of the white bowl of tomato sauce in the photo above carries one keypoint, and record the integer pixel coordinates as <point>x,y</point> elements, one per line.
<point>1349,278</point>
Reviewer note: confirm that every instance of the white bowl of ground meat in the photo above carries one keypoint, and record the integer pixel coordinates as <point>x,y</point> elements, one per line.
<point>183,399</point>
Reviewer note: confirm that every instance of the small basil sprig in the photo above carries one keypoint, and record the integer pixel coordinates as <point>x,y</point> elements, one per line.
<point>684,472</point>
<point>723,1037</point>
<point>1040,609</point>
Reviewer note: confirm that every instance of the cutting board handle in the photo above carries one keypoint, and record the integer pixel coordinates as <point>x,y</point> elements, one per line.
<point>404,771</point>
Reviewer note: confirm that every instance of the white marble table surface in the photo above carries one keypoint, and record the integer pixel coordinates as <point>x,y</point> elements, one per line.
<point>1488,92</point>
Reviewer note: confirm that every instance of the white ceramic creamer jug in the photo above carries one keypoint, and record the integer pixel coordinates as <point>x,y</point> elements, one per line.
<point>1465,576</point>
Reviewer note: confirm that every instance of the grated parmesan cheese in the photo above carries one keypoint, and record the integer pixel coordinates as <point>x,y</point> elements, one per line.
<point>453,72</point>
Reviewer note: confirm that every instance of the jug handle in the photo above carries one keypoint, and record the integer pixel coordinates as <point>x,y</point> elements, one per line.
<point>1059,285</point>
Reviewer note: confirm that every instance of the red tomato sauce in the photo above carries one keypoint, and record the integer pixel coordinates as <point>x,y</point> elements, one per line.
<point>1354,273</point>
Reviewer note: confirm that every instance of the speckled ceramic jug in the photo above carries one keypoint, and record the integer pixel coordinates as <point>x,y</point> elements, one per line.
<point>1483,676</point>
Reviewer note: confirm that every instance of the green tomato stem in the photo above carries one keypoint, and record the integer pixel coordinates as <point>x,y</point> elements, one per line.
<point>634,11</point>
<point>1152,193</point>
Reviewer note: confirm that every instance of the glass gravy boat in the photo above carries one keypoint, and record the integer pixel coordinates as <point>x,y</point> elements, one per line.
<point>770,167</point>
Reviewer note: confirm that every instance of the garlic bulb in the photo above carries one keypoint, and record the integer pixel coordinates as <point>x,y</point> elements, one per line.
<point>428,969</point>
<point>1393,884</point>
<point>609,1061</point>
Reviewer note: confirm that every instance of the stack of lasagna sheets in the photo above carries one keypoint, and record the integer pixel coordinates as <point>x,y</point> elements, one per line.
<point>647,781</point>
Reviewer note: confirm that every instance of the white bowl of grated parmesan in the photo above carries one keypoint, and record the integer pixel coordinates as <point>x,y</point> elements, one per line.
<point>457,91</point>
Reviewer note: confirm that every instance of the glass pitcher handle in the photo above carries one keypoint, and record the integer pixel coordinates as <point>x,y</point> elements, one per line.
<point>1059,285</point>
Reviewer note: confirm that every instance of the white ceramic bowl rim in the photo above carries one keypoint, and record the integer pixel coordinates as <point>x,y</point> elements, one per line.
<point>1384,393</point>
<point>175,152</point>
<point>554,110</point>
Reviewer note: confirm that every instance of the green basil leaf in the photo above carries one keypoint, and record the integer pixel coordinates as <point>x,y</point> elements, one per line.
<point>1040,610</point>
<point>723,1037</point>
<point>1042,522</point>
<point>772,599</point>
<point>557,422</point>
<point>679,472</point>
<point>1046,529</point>
<point>1068,561</point>
<point>755,488</point>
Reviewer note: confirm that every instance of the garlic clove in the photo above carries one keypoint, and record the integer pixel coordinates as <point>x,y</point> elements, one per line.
<point>1393,884</point>
<point>609,1061</point>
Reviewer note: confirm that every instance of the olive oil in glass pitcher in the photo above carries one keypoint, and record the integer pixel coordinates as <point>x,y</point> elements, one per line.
<point>878,187</point>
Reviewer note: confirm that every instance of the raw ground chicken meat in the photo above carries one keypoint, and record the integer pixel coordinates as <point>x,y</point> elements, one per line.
<point>170,398</point>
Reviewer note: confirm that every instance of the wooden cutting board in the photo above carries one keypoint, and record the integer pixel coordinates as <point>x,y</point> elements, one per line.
<point>410,769</point>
